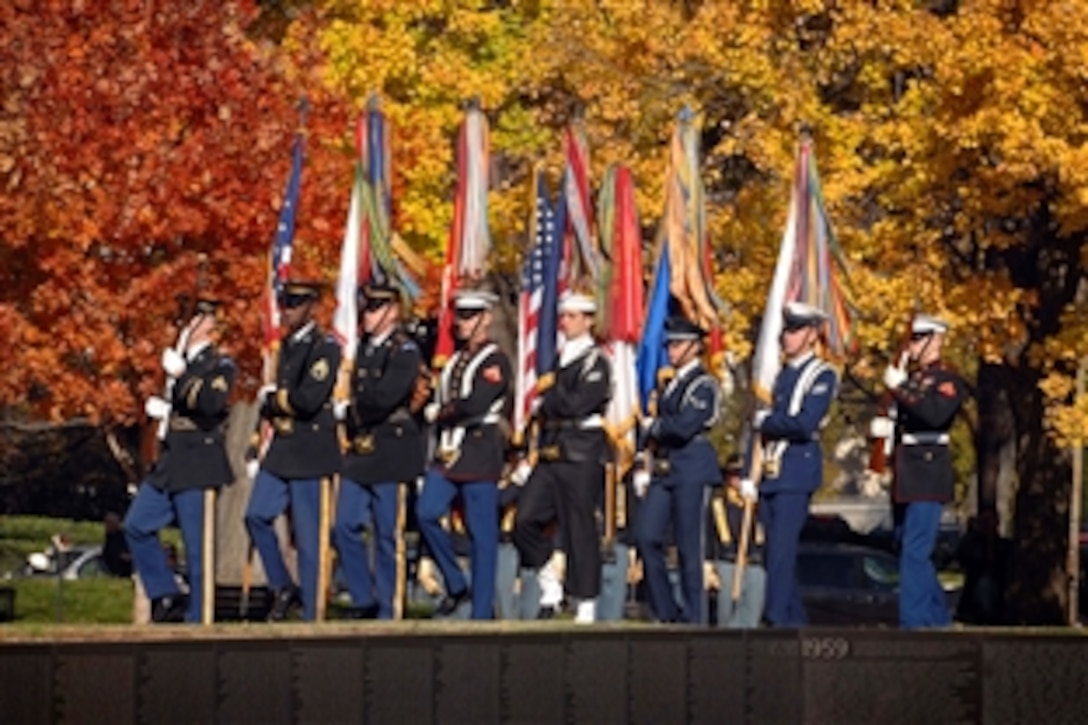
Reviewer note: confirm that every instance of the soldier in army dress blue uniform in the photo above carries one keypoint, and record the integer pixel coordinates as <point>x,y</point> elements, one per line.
<point>470,454</point>
<point>684,467</point>
<point>193,459</point>
<point>385,449</point>
<point>927,398</point>
<point>304,449</point>
<point>792,459</point>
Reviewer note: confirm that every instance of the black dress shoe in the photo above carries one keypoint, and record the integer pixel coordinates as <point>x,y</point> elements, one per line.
<point>546,613</point>
<point>450,603</point>
<point>370,612</point>
<point>169,609</point>
<point>285,598</point>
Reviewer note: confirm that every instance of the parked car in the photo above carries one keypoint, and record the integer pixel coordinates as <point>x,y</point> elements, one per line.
<point>81,562</point>
<point>847,584</point>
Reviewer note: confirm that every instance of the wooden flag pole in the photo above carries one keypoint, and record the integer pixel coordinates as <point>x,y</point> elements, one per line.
<point>744,538</point>
<point>610,481</point>
<point>400,585</point>
<point>207,608</point>
<point>320,606</point>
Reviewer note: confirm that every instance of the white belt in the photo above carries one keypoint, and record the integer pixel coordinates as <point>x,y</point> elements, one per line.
<point>593,421</point>
<point>924,439</point>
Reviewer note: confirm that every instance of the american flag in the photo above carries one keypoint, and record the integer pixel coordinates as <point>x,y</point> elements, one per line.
<point>279,261</point>
<point>537,305</point>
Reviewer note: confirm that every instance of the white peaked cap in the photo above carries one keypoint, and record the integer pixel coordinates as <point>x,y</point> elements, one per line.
<point>470,299</point>
<point>928,325</point>
<point>571,301</point>
<point>801,314</point>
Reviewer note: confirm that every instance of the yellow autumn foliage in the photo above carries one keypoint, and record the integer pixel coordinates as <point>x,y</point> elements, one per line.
<point>951,140</point>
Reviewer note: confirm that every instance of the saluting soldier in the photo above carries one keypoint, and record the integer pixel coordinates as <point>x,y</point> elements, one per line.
<point>792,459</point>
<point>684,467</point>
<point>567,481</point>
<point>471,401</point>
<point>193,458</point>
<point>385,448</point>
<point>304,449</point>
<point>927,399</point>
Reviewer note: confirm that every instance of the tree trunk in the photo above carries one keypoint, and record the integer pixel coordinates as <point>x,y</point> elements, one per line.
<point>1037,593</point>
<point>232,539</point>
<point>995,446</point>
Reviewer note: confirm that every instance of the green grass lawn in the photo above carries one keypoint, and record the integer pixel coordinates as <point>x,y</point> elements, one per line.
<point>39,600</point>
<point>95,600</point>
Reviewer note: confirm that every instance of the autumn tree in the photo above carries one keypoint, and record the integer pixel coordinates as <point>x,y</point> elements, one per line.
<point>134,138</point>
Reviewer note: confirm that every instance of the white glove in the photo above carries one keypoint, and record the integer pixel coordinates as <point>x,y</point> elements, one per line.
<point>748,490</point>
<point>641,482</point>
<point>265,393</point>
<point>419,484</point>
<point>340,409</point>
<point>156,408</point>
<point>253,466</point>
<point>761,415</point>
<point>173,362</point>
<point>534,407</point>
<point>430,412</point>
<point>881,427</point>
<point>521,473</point>
<point>894,377</point>
<point>646,424</point>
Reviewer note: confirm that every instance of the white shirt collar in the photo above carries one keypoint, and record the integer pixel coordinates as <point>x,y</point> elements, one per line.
<point>377,340</point>
<point>686,368</point>
<point>681,373</point>
<point>800,360</point>
<point>573,349</point>
<point>194,352</point>
<point>302,332</point>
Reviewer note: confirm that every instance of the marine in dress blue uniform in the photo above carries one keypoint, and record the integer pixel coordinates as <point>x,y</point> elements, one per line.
<point>566,484</point>
<point>385,449</point>
<point>193,458</point>
<point>793,461</point>
<point>927,399</point>
<point>304,449</point>
<point>684,467</point>
<point>471,401</point>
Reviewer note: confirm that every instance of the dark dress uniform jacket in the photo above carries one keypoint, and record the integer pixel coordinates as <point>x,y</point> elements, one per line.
<point>580,393</point>
<point>686,412</point>
<point>927,405</point>
<point>473,392</point>
<point>194,454</point>
<point>305,444</point>
<point>385,442</point>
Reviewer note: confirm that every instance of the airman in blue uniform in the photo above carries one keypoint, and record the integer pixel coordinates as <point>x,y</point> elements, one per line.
<point>927,398</point>
<point>385,449</point>
<point>304,449</point>
<point>470,455</point>
<point>683,469</point>
<point>792,458</point>
<point>193,459</point>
